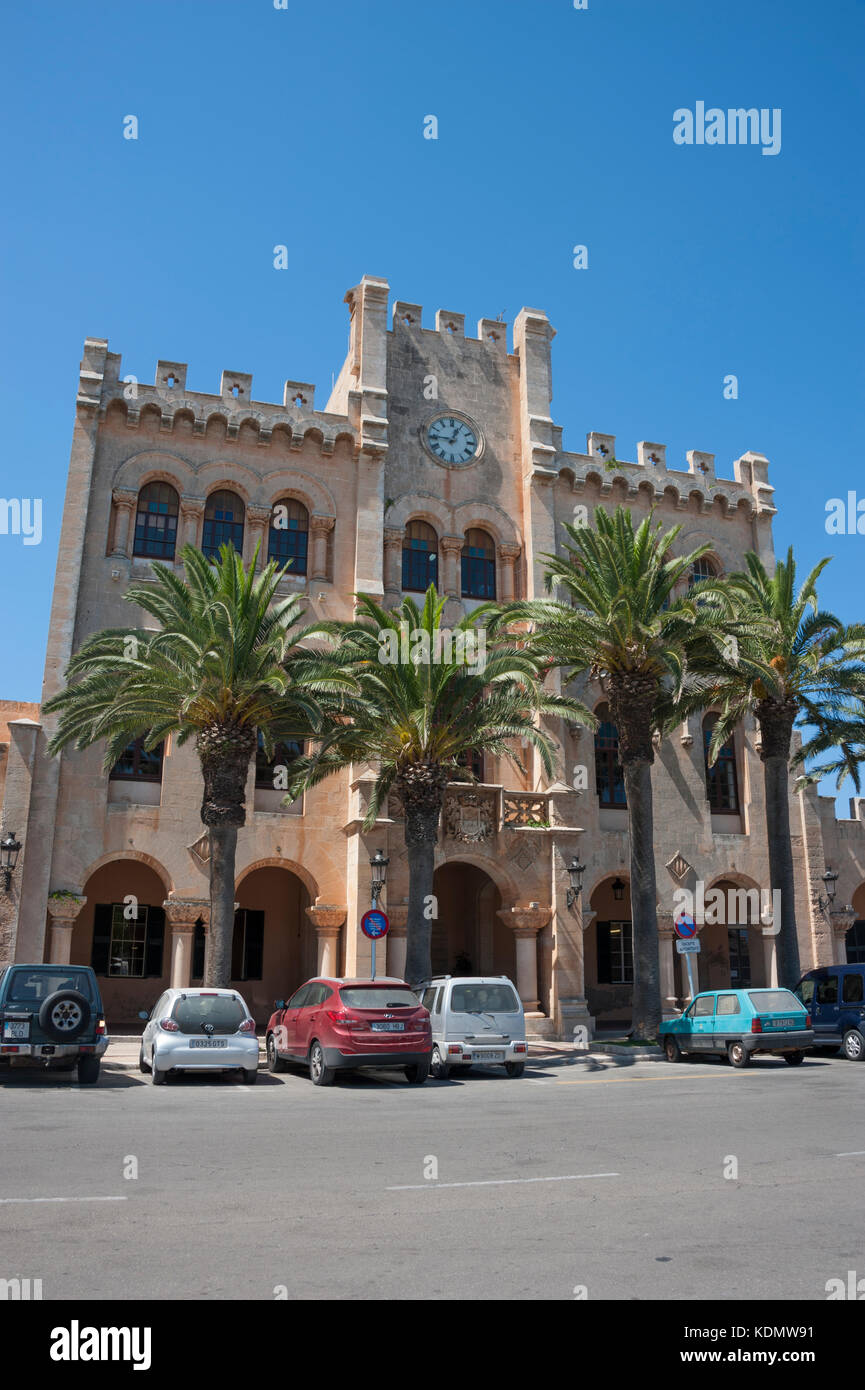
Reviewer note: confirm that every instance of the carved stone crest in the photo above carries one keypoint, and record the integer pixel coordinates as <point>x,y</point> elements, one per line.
<point>468,818</point>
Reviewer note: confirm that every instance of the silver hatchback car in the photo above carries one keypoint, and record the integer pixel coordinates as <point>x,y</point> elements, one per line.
<point>199,1030</point>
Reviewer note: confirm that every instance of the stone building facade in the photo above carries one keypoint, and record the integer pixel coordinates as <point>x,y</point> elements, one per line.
<point>436,456</point>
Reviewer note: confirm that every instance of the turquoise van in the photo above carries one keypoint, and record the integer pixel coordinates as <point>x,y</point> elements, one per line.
<point>736,1023</point>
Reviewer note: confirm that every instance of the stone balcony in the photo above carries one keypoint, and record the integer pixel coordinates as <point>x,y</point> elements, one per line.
<point>476,811</point>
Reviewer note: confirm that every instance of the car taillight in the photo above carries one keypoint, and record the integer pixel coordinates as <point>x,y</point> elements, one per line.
<point>247,1026</point>
<point>807,1020</point>
<point>756,1025</point>
<point>519,1047</point>
<point>169,1025</point>
<point>343,1019</point>
<point>100,1028</point>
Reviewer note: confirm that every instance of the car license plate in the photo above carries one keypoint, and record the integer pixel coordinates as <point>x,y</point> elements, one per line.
<point>386,1026</point>
<point>783,1023</point>
<point>208,1042</point>
<point>488,1056</point>
<point>16,1030</point>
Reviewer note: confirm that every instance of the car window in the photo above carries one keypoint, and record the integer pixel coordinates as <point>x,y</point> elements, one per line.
<point>489,999</point>
<point>852,989</point>
<point>727,1004</point>
<point>773,1001</point>
<point>27,986</point>
<point>378,997</point>
<point>827,990</point>
<point>317,995</point>
<point>195,1012</point>
<point>439,1000</point>
<point>428,997</point>
<point>805,991</point>
<point>704,1005</point>
<point>298,999</point>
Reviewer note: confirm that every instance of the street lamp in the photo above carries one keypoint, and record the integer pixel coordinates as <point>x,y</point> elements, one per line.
<point>575,874</point>
<point>829,879</point>
<point>618,890</point>
<point>378,869</point>
<point>9,851</point>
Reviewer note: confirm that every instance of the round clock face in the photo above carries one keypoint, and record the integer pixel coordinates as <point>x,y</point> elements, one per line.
<point>452,440</point>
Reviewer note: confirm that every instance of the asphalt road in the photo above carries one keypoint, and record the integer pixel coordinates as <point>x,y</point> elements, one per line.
<point>585,1174</point>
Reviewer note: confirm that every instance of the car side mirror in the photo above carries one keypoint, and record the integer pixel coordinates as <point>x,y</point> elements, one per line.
<point>142,1013</point>
<point>279,1003</point>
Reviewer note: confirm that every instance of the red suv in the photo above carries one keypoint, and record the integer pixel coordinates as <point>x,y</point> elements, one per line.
<point>339,1025</point>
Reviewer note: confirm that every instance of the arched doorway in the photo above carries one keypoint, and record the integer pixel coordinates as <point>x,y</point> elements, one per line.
<point>274,947</point>
<point>609,951</point>
<point>733,947</point>
<point>467,936</point>
<point>121,932</point>
<point>854,941</point>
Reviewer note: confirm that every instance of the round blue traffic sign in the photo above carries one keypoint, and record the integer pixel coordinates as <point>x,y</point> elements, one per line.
<point>685,926</point>
<point>374,924</point>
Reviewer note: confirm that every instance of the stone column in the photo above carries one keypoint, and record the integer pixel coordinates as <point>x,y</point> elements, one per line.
<point>125,506</point>
<point>667,961</point>
<point>508,556</point>
<point>526,922</point>
<point>62,913</point>
<point>397,940</point>
<point>256,533</point>
<point>393,539</point>
<point>320,526</point>
<point>327,921</point>
<point>451,550</point>
<point>182,915</point>
<point>770,958</point>
<point>191,516</point>
<point>842,919</point>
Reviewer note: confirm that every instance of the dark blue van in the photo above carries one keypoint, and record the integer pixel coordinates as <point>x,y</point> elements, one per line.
<point>834,996</point>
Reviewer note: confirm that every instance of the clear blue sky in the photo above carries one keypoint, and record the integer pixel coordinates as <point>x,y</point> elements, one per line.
<point>261,126</point>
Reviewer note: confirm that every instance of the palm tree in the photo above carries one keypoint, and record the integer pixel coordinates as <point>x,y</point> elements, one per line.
<point>222,665</point>
<point>422,702</point>
<point>790,664</point>
<point>618,624</point>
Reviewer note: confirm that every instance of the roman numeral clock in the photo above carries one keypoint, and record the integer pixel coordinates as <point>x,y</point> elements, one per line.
<point>453,440</point>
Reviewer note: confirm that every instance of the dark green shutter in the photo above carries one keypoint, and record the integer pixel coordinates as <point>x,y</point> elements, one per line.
<point>605,971</point>
<point>155,941</point>
<point>101,947</point>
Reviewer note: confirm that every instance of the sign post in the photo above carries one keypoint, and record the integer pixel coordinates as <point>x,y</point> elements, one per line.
<point>374,924</point>
<point>687,944</point>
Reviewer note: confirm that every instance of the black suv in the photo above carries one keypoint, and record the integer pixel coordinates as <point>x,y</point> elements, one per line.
<point>51,1016</point>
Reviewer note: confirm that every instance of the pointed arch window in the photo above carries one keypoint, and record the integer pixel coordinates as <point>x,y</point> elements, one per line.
<point>609,775</point>
<point>288,538</point>
<point>478,565</point>
<point>420,560</point>
<point>156,522</point>
<point>722,783</point>
<point>223,523</point>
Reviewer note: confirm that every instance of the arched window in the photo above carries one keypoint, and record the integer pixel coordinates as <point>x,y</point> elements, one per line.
<point>609,776</point>
<point>420,559</point>
<point>704,568</point>
<point>223,523</point>
<point>288,538</point>
<point>478,565</point>
<point>722,787</point>
<point>156,522</point>
<point>136,765</point>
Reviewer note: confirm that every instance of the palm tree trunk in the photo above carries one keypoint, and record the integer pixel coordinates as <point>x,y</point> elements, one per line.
<point>776,730</point>
<point>220,935</point>
<point>644,900</point>
<point>421,787</point>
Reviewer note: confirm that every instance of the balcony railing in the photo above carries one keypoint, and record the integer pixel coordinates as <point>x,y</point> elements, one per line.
<point>476,811</point>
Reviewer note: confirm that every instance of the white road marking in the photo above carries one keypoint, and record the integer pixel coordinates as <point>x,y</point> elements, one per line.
<point>8,1201</point>
<point>854,1153</point>
<point>498,1182</point>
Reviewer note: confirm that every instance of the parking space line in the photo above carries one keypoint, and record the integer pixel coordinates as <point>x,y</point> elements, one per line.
<point>854,1153</point>
<point>498,1182</point>
<point>10,1201</point>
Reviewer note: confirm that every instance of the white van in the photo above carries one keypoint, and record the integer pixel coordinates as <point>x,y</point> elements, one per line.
<point>474,1018</point>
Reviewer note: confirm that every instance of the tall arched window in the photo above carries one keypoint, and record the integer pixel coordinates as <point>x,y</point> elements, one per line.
<point>223,523</point>
<point>722,787</point>
<point>609,776</point>
<point>478,565</point>
<point>156,522</point>
<point>288,538</point>
<point>704,568</point>
<point>420,559</point>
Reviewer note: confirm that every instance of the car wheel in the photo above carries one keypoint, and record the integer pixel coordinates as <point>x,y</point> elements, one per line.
<point>156,1076</point>
<point>416,1075</point>
<point>64,1015</point>
<point>515,1068</point>
<point>854,1045</point>
<point>247,1077</point>
<point>320,1073</point>
<point>672,1050</point>
<point>274,1061</point>
<point>142,1065</point>
<point>738,1055</point>
<point>794,1059</point>
<point>88,1070</point>
<point>439,1068</point>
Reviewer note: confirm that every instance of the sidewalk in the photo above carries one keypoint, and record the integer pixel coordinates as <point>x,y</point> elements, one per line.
<point>123,1051</point>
